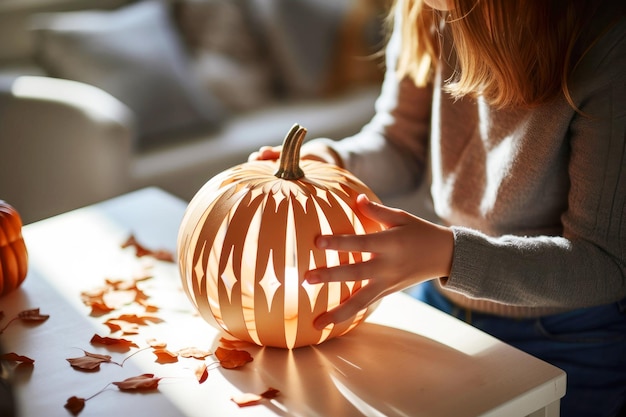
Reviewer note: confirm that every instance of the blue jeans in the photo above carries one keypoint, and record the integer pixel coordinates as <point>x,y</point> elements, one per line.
<point>588,344</point>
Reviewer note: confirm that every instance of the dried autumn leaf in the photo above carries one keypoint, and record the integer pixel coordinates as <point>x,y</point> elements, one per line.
<point>121,283</point>
<point>33,315</point>
<point>143,320</point>
<point>150,308</point>
<point>119,298</point>
<point>14,357</point>
<point>89,362</point>
<point>116,293</point>
<point>202,373</point>
<point>165,356</point>
<point>157,344</point>
<point>131,241</point>
<point>143,275</point>
<point>193,352</point>
<point>112,341</point>
<point>246,399</point>
<point>129,323</point>
<point>140,297</point>
<point>141,250</point>
<point>123,326</point>
<point>98,307</point>
<point>232,358</point>
<point>93,293</point>
<point>270,393</point>
<point>163,255</point>
<point>139,383</point>
<point>75,405</point>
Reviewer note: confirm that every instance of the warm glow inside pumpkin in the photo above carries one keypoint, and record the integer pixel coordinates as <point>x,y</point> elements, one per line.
<point>13,253</point>
<point>247,238</point>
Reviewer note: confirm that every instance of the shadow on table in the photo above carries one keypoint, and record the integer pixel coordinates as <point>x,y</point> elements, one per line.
<point>360,373</point>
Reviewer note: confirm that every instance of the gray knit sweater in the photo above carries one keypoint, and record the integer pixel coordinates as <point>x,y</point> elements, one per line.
<point>536,198</point>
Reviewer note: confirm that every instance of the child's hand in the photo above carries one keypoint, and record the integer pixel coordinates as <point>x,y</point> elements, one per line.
<point>310,150</point>
<point>266,153</point>
<point>411,250</point>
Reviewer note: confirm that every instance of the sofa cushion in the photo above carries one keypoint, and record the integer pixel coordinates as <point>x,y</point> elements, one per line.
<point>300,35</point>
<point>135,54</point>
<point>226,55</point>
<point>320,47</point>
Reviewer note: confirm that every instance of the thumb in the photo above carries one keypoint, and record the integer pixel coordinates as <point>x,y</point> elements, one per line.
<point>379,213</point>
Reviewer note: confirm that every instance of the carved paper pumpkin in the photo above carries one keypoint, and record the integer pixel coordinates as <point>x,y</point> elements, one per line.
<point>13,254</point>
<point>247,238</point>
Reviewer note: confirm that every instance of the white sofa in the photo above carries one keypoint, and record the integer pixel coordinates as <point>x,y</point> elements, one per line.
<point>67,143</point>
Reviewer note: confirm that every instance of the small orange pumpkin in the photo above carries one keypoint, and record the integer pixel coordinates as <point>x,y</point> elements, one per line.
<point>247,238</point>
<point>13,253</point>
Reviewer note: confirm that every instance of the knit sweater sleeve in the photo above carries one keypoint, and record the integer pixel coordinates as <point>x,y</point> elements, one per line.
<point>586,265</point>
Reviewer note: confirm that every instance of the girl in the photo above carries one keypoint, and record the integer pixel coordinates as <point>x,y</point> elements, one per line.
<point>518,106</point>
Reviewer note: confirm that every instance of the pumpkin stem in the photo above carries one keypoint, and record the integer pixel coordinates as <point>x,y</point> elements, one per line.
<point>289,164</point>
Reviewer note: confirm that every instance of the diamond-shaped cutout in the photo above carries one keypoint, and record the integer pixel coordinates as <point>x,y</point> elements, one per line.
<point>269,284</point>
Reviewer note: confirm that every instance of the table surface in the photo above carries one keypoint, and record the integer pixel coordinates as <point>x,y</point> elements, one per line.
<point>407,359</point>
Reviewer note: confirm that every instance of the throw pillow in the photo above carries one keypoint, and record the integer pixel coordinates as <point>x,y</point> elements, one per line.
<point>321,46</point>
<point>300,36</point>
<point>135,54</point>
<point>226,56</point>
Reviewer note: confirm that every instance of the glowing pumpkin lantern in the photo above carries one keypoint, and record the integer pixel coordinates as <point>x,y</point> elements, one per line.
<point>247,238</point>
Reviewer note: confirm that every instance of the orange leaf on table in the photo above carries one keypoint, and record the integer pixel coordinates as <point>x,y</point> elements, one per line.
<point>270,393</point>
<point>98,307</point>
<point>14,357</point>
<point>32,315</point>
<point>165,356</point>
<point>139,383</point>
<point>246,399</point>
<point>157,344</point>
<point>116,293</point>
<point>141,250</point>
<point>123,326</point>
<point>193,352</point>
<point>121,283</point>
<point>163,255</point>
<point>75,405</point>
<point>112,341</point>
<point>90,362</point>
<point>131,241</point>
<point>143,320</point>
<point>95,299</point>
<point>150,308</point>
<point>202,373</point>
<point>98,292</point>
<point>119,298</point>
<point>129,323</point>
<point>140,297</point>
<point>143,275</point>
<point>232,358</point>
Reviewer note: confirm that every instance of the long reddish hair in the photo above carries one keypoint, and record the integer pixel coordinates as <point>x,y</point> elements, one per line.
<point>512,52</point>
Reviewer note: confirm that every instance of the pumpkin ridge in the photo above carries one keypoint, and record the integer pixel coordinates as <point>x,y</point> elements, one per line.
<point>13,252</point>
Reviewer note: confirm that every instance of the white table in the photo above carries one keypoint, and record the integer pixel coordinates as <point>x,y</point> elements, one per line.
<point>408,359</point>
